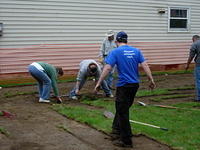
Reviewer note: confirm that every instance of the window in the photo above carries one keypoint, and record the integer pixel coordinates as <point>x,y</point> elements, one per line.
<point>178,19</point>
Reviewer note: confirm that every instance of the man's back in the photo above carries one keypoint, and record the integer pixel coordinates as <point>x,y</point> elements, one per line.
<point>127,59</point>
<point>195,51</point>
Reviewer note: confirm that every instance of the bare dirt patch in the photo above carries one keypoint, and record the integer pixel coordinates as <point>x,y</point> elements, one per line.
<point>35,126</point>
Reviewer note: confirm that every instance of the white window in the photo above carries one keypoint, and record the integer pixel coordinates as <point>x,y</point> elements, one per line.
<point>179,19</point>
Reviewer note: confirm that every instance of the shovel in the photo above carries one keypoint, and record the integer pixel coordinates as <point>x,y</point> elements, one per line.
<point>164,106</point>
<point>110,115</point>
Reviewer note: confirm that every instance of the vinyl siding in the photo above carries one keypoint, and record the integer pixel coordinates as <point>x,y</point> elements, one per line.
<point>64,32</point>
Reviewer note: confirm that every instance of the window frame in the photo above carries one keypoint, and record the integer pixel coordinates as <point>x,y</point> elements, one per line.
<point>188,20</point>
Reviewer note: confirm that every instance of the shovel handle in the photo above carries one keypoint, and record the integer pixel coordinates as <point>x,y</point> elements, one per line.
<point>165,129</point>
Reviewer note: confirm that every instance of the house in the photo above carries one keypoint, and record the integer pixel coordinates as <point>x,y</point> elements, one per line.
<point>64,32</point>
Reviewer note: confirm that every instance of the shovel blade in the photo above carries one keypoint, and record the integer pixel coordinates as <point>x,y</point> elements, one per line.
<point>108,114</point>
<point>141,103</point>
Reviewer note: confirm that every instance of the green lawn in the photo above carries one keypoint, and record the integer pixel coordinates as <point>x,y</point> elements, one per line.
<point>4,131</point>
<point>183,125</point>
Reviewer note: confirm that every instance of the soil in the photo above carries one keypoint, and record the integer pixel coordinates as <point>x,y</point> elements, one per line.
<point>35,126</point>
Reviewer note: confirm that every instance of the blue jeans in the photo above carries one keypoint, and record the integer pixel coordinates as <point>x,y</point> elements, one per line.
<point>104,86</point>
<point>109,79</point>
<point>197,81</point>
<point>44,82</point>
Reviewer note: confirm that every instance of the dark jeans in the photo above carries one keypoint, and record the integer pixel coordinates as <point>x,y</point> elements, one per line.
<point>124,99</point>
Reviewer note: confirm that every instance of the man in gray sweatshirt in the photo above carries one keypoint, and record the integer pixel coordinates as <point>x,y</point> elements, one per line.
<point>195,54</point>
<point>88,68</point>
<point>107,46</point>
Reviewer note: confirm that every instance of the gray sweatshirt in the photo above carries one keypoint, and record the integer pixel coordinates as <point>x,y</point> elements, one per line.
<point>83,71</point>
<point>106,47</point>
<point>195,52</point>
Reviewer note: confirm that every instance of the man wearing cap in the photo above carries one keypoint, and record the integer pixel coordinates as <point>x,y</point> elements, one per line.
<point>127,60</point>
<point>88,68</point>
<point>108,44</point>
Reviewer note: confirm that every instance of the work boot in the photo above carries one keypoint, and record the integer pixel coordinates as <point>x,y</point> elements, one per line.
<point>115,134</point>
<point>120,143</point>
<point>58,101</point>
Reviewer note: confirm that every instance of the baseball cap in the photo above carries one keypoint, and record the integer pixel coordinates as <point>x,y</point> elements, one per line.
<point>121,35</point>
<point>93,70</point>
<point>110,33</point>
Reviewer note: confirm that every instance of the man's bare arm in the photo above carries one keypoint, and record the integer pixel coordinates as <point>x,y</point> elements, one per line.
<point>147,70</point>
<point>107,68</point>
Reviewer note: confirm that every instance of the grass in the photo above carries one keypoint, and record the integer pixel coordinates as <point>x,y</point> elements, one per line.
<point>161,98</point>
<point>144,93</point>
<point>86,116</point>
<point>32,83</point>
<point>26,82</point>
<point>188,105</point>
<point>18,84</point>
<point>183,125</point>
<point>9,94</point>
<point>4,131</point>
<point>182,88</point>
<point>157,92</point>
<point>172,72</point>
<point>140,93</point>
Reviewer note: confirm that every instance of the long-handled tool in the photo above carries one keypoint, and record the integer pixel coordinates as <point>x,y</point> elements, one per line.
<point>165,106</point>
<point>110,115</point>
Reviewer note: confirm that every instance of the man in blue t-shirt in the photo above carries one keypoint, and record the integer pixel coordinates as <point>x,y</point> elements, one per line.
<point>127,60</point>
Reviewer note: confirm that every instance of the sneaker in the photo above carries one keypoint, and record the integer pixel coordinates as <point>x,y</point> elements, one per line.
<point>74,97</point>
<point>120,143</point>
<point>110,96</point>
<point>44,100</point>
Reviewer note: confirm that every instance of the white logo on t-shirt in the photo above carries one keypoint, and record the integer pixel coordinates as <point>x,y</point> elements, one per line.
<point>129,53</point>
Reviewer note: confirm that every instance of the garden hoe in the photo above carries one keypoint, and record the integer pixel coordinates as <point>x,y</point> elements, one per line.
<point>110,115</point>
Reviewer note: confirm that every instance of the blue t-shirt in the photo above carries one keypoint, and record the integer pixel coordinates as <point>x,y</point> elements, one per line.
<point>127,59</point>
